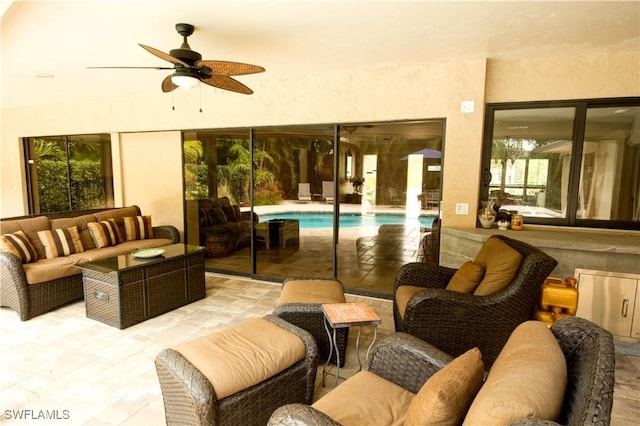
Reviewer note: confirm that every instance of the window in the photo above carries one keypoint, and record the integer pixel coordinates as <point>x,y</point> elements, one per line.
<point>69,172</point>
<point>574,163</point>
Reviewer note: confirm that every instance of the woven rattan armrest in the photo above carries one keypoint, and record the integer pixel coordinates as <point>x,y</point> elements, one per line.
<point>312,355</point>
<point>167,231</point>
<point>299,415</point>
<point>423,275</point>
<point>13,285</point>
<point>407,361</point>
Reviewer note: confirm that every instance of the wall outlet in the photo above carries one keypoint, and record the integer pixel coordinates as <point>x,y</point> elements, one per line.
<point>462,208</point>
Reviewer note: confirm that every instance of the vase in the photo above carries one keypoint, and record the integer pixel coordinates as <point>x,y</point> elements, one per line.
<point>486,215</point>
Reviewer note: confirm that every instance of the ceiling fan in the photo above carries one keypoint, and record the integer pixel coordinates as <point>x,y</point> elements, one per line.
<point>190,69</point>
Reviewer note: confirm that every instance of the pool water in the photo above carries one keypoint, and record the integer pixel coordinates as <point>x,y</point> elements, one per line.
<point>325,220</point>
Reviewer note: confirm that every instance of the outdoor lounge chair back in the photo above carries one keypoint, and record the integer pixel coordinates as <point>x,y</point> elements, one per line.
<point>304,191</point>
<point>327,191</point>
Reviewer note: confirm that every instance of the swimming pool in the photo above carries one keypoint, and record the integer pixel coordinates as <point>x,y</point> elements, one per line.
<point>325,220</point>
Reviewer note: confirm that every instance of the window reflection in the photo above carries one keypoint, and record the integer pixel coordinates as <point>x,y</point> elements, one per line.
<point>530,157</point>
<point>534,163</point>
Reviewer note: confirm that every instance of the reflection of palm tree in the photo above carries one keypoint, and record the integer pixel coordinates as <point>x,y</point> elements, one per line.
<point>237,171</point>
<point>48,150</point>
<point>193,152</point>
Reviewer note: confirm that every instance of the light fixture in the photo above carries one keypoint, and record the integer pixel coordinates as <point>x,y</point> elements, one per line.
<point>184,80</point>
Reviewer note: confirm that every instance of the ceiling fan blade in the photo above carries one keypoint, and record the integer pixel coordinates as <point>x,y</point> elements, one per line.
<point>135,68</point>
<point>167,84</point>
<point>163,55</point>
<point>227,83</point>
<point>230,68</point>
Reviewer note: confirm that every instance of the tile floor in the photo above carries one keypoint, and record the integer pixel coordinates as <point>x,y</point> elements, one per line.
<point>95,374</point>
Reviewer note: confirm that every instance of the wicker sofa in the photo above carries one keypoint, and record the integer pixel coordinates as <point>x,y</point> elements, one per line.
<point>34,288</point>
<point>222,226</point>
<point>409,362</point>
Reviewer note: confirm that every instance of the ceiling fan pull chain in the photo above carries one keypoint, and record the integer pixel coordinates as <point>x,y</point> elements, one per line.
<point>200,87</point>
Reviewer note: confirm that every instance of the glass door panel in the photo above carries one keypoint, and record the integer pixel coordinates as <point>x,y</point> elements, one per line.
<point>294,201</point>
<point>384,214</point>
<point>217,203</point>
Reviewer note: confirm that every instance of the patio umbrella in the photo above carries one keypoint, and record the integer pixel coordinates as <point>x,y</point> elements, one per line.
<point>426,153</point>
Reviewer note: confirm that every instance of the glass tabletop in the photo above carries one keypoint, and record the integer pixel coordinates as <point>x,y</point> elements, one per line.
<point>128,261</point>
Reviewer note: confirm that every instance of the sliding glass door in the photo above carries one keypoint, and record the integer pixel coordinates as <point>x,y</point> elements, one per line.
<point>353,202</point>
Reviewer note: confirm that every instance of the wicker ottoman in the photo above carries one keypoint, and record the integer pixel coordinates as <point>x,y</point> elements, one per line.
<point>300,303</point>
<point>238,375</point>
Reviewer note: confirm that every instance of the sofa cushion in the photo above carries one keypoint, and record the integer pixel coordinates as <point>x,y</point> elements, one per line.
<point>18,243</point>
<point>61,242</point>
<point>243,355</point>
<point>501,263</point>
<point>445,398</point>
<point>366,399</point>
<point>528,379</point>
<point>217,216</point>
<point>105,233</point>
<point>30,227</point>
<point>81,222</point>
<point>403,294</point>
<point>138,228</point>
<point>118,214</point>
<point>51,269</point>
<point>467,277</point>
<point>123,248</point>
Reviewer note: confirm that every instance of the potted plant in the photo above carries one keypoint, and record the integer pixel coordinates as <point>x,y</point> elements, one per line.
<point>357,182</point>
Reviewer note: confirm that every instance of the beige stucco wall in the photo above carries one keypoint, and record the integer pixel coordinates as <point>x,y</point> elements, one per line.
<point>433,91</point>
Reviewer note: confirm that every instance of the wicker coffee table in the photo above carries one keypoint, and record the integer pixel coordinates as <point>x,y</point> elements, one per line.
<point>126,290</point>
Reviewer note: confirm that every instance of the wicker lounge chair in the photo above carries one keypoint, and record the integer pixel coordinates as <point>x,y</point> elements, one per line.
<point>456,322</point>
<point>409,362</point>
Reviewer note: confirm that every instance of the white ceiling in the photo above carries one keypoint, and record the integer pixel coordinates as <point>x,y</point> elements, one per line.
<point>59,39</point>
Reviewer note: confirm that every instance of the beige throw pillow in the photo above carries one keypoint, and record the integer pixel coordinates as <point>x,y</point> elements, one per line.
<point>445,398</point>
<point>501,264</point>
<point>467,278</point>
<point>528,379</point>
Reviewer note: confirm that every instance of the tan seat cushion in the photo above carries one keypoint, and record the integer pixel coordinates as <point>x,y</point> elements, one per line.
<point>403,294</point>
<point>311,291</point>
<point>243,355</point>
<point>467,278</point>
<point>51,269</point>
<point>528,379</point>
<point>501,264</point>
<point>445,398</point>
<point>366,399</point>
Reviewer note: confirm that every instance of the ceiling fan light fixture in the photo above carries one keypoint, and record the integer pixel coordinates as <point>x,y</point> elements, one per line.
<point>184,80</point>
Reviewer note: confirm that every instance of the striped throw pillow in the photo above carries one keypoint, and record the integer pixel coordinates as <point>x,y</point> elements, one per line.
<point>18,243</point>
<point>61,242</point>
<point>138,228</point>
<point>105,233</point>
